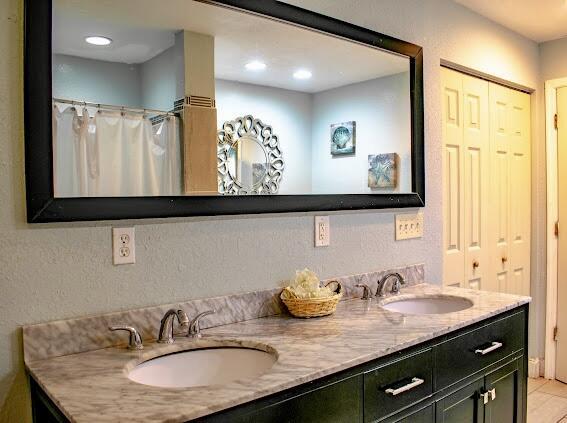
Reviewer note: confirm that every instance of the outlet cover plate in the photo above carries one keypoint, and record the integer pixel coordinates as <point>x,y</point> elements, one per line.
<point>123,246</point>
<point>322,231</point>
<point>409,225</point>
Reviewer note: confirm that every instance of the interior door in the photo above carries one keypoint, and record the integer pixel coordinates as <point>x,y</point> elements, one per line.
<point>476,182</point>
<point>561,360</point>
<point>500,103</point>
<point>453,204</point>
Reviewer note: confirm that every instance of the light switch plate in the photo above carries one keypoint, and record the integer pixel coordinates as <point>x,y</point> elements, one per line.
<point>322,231</point>
<point>123,246</point>
<point>409,225</point>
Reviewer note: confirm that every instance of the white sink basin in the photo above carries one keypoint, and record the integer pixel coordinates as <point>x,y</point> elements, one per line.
<point>215,366</point>
<point>428,305</point>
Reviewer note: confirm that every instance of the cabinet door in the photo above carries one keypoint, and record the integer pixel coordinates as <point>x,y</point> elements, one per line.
<point>506,404</point>
<point>462,406</point>
<point>453,202</point>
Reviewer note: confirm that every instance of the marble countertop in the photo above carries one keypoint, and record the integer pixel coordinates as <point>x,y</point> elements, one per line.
<point>93,386</point>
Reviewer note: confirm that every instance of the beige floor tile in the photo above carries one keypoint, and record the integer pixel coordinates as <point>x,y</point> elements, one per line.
<point>546,408</point>
<point>534,384</point>
<point>554,387</point>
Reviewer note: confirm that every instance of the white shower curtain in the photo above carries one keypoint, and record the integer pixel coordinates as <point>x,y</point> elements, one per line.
<point>115,153</point>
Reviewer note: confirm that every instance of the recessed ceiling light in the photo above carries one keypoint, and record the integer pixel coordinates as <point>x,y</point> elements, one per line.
<point>98,40</point>
<point>255,65</point>
<point>302,74</point>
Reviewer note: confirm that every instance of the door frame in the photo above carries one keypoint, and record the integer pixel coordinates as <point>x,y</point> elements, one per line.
<point>551,87</point>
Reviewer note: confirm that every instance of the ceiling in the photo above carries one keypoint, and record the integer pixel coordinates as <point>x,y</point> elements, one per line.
<point>140,32</point>
<point>538,20</point>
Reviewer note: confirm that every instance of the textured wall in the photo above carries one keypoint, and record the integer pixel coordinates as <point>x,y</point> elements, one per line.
<point>57,271</point>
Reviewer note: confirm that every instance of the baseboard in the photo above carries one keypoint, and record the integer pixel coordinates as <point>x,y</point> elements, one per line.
<point>535,367</point>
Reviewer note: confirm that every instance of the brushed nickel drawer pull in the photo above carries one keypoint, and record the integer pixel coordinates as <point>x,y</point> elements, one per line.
<point>414,382</point>
<point>495,346</point>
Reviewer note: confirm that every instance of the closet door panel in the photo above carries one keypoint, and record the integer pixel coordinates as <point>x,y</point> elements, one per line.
<point>453,173</point>
<point>499,225</point>
<point>520,192</point>
<point>475,181</point>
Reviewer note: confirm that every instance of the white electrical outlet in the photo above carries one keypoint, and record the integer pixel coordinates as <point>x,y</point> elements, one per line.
<point>322,231</point>
<point>123,246</point>
<point>409,225</point>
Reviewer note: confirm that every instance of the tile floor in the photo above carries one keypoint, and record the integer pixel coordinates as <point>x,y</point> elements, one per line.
<point>547,401</point>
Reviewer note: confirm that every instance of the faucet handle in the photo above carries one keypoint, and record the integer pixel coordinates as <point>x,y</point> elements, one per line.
<point>194,327</point>
<point>397,284</point>
<point>366,294</point>
<point>135,341</point>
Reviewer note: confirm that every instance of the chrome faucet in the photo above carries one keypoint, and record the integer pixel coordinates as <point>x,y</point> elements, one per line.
<point>396,285</point>
<point>367,293</point>
<point>194,327</point>
<point>166,326</point>
<point>135,340</point>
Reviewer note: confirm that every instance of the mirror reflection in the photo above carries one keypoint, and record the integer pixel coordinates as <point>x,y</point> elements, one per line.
<point>190,101</point>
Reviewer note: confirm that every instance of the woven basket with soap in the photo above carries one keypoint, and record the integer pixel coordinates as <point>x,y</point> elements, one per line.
<point>305,297</point>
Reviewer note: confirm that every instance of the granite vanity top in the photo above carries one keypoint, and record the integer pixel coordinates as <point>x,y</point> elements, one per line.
<point>93,386</point>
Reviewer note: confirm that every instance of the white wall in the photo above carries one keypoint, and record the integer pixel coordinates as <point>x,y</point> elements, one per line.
<point>381,109</point>
<point>289,114</point>
<point>96,81</point>
<point>58,271</point>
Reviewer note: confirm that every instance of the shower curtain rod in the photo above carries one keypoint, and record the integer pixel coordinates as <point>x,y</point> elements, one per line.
<point>113,107</point>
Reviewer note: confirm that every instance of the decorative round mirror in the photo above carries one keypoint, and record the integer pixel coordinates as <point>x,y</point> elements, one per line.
<point>249,158</point>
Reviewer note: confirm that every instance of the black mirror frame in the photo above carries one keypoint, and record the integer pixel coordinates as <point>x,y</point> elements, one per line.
<point>43,207</point>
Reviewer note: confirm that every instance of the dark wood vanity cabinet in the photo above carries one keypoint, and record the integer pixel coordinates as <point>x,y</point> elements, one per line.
<point>474,375</point>
<point>444,380</point>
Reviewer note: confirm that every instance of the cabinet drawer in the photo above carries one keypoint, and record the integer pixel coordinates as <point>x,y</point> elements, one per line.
<point>396,385</point>
<point>466,354</point>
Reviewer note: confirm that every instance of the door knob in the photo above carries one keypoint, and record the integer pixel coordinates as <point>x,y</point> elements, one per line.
<point>504,260</point>
<point>475,264</point>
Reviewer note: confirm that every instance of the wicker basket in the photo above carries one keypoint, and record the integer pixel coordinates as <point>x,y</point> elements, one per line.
<point>312,307</point>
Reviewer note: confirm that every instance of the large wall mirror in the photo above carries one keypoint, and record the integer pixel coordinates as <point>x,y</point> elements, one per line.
<point>225,107</point>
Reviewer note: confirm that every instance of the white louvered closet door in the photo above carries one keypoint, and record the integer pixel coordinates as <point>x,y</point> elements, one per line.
<point>486,179</point>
